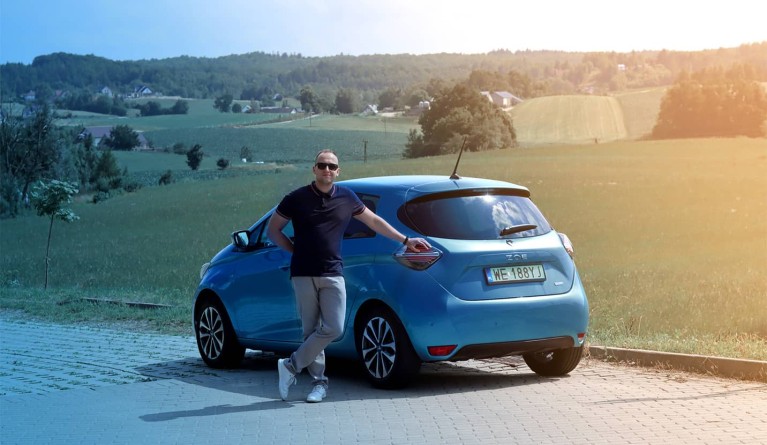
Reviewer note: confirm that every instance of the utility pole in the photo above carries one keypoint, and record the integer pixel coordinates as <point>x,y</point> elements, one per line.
<point>365,156</point>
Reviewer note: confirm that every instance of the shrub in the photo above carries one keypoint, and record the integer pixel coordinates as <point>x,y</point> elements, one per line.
<point>166,178</point>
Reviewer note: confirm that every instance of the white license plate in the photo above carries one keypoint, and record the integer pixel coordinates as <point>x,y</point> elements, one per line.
<point>515,274</point>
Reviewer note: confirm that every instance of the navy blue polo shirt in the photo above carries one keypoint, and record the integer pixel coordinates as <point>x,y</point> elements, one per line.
<point>319,220</point>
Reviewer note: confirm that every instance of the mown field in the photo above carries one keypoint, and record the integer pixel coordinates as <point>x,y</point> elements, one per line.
<point>542,121</point>
<point>569,119</point>
<point>670,239</point>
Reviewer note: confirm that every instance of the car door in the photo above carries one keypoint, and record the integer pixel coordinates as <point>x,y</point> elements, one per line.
<point>266,309</point>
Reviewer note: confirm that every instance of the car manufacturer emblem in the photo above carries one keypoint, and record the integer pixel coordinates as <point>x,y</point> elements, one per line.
<point>509,242</point>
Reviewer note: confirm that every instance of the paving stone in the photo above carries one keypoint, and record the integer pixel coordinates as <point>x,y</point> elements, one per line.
<point>88,385</point>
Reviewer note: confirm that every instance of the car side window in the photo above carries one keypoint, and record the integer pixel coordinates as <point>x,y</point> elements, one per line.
<point>356,228</point>
<point>260,236</point>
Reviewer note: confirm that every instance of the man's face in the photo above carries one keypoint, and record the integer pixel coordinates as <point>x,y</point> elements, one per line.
<point>325,175</point>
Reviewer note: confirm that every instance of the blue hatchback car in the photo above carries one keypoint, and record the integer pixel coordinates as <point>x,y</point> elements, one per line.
<point>498,281</point>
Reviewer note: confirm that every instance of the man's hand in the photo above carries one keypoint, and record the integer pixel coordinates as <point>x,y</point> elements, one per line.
<point>417,245</point>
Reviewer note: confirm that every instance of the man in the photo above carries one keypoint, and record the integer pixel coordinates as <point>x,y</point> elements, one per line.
<point>320,212</point>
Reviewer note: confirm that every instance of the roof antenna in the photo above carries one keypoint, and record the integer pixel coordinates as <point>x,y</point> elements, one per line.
<point>455,170</point>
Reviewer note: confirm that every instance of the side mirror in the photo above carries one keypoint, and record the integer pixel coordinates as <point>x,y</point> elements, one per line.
<point>240,239</point>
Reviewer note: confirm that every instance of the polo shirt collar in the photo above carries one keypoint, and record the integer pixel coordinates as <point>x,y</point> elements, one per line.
<point>320,193</point>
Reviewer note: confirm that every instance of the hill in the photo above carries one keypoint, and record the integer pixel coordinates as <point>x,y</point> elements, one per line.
<point>259,75</point>
<point>567,119</point>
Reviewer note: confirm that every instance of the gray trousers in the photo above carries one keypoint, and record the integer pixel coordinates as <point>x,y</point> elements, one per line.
<point>321,304</point>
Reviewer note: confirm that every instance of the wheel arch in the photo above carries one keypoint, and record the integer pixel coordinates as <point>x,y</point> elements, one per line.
<point>368,307</point>
<point>206,295</point>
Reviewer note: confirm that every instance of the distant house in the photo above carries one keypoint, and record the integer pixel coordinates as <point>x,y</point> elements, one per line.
<point>99,133</point>
<point>29,96</point>
<point>487,95</point>
<point>141,91</point>
<point>280,110</point>
<point>504,99</point>
<point>370,110</point>
<point>106,91</point>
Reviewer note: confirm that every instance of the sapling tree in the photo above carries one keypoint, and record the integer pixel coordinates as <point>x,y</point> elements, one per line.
<point>49,199</point>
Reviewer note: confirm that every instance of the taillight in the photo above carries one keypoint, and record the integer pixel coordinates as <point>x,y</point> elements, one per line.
<point>417,260</point>
<point>567,244</point>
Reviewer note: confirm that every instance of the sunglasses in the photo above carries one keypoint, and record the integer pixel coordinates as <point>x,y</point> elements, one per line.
<point>330,166</point>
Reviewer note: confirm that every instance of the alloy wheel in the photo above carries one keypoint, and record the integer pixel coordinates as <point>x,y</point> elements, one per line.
<point>379,349</point>
<point>211,332</point>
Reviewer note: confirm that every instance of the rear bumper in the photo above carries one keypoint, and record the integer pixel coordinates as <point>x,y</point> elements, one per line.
<point>494,328</point>
<point>489,350</point>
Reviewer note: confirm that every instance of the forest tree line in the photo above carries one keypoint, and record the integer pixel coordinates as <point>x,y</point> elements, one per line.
<point>259,76</point>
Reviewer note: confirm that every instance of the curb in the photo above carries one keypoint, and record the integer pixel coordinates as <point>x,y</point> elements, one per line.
<point>716,366</point>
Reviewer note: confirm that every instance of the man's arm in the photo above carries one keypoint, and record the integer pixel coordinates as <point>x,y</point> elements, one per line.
<point>379,225</point>
<point>274,230</point>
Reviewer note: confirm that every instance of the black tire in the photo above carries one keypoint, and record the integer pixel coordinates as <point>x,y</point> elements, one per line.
<point>554,363</point>
<point>385,351</point>
<point>216,340</point>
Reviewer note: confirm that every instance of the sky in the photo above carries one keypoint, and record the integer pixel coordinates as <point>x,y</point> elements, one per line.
<point>157,29</point>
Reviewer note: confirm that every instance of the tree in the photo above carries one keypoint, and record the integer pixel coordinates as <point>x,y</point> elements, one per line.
<point>388,99</point>
<point>460,114</point>
<point>49,199</point>
<point>245,153</point>
<point>28,152</point>
<point>713,103</point>
<point>346,101</point>
<point>180,107</point>
<point>222,163</point>
<point>194,157</point>
<point>236,108</point>
<point>122,137</point>
<point>416,97</point>
<point>310,102</point>
<point>222,103</point>
<point>166,178</point>
<point>106,174</point>
<point>150,108</point>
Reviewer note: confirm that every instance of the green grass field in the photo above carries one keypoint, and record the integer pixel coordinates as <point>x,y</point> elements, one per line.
<point>670,236</point>
<point>569,119</point>
<point>640,109</point>
<point>670,239</point>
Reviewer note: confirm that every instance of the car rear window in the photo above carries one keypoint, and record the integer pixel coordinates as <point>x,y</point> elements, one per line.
<point>473,215</point>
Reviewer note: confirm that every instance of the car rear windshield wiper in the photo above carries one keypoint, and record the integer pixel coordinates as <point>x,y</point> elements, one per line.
<point>517,229</point>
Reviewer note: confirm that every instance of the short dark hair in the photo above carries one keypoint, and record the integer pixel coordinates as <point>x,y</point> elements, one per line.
<point>326,150</point>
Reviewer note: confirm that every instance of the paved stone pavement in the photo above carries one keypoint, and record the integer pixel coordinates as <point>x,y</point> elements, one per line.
<point>86,385</point>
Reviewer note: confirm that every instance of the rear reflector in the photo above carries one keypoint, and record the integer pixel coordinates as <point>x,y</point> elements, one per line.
<point>417,260</point>
<point>438,351</point>
<point>581,337</point>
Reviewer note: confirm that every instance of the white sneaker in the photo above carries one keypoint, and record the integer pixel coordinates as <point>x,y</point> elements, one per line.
<point>286,379</point>
<point>318,393</point>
